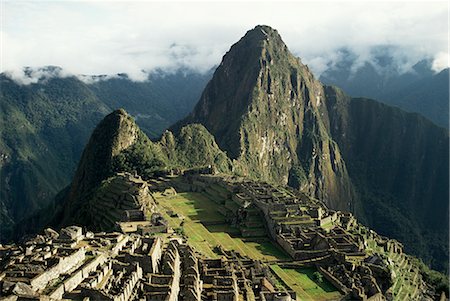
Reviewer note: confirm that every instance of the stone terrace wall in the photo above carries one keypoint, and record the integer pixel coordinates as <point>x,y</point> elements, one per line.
<point>64,265</point>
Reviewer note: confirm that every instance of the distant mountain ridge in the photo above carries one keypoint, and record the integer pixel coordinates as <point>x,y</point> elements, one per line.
<point>420,89</point>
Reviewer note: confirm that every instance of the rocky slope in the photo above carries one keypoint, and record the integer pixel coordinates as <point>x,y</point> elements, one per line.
<point>267,111</point>
<point>115,132</point>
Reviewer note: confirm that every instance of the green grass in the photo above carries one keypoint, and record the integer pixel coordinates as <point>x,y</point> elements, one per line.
<point>196,207</point>
<point>206,228</point>
<point>303,283</point>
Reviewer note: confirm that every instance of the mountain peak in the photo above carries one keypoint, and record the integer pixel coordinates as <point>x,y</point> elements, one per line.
<point>119,112</point>
<point>262,32</point>
<point>260,40</point>
<point>116,132</point>
<point>265,110</point>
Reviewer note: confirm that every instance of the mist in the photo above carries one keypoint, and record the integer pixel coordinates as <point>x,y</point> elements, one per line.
<point>94,37</point>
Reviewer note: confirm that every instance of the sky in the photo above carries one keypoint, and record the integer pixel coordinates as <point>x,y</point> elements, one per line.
<point>110,37</point>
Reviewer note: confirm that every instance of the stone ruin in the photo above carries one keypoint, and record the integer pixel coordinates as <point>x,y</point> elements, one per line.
<point>116,266</point>
<point>142,260</point>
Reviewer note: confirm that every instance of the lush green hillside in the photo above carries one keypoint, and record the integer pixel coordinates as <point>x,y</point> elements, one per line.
<point>398,162</point>
<point>44,127</point>
<point>42,132</point>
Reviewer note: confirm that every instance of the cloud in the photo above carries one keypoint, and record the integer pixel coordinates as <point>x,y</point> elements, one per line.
<point>136,37</point>
<point>440,61</point>
<point>29,75</point>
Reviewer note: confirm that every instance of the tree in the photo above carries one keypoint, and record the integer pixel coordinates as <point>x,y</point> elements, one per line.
<point>318,277</point>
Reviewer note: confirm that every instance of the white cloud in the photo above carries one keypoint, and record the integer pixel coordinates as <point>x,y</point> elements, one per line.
<point>441,61</point>
<point>28,75</point>
<point>113,37</point>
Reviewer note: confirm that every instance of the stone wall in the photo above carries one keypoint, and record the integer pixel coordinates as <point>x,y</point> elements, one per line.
<point>334,281</point>
<point>376,297</point>
<point>130,285</point>
<point>71,283</point>
<point>58,292</point>
<point>92,265</point>
<point>155,254</point>
<point>64,265</point>
<point>118,247</point>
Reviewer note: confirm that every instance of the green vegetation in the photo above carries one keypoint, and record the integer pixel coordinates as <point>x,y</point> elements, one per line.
<point>305,283</point>
<point>194,147</point>
<point>397,196</point>
<point>318,277</point>
<point>206,228</point>
<point>439,280</point>
<point>143,157</point>
<point>44,127</point>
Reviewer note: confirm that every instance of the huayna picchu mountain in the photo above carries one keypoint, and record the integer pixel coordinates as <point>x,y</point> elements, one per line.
<point>267,111</point>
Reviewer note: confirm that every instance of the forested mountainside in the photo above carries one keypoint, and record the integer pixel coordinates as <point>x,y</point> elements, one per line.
<point>45,125</point>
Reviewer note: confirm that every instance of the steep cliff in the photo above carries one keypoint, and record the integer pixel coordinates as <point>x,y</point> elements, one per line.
<point>267,111</point>
<point>398,163</point>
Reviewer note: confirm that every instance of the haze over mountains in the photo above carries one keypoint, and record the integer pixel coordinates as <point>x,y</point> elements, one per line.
<point>265,110</point>
<point>419,89</point>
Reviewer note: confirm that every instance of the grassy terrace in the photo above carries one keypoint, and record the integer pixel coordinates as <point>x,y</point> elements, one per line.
<point>206,228</point>
<point>304,284</point>
<point>405,284</point>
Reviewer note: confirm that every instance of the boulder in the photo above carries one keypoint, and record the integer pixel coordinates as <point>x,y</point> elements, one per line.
<point>49,232</point>
<point>23,289</point>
